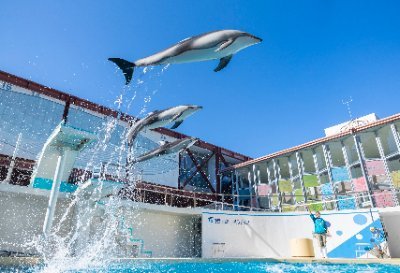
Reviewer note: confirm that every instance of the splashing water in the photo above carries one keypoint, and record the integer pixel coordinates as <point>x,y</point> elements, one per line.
<point>97,233</point>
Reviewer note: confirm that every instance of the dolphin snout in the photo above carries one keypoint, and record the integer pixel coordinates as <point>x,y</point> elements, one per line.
<point>197,107</point>
<point>259,40</point>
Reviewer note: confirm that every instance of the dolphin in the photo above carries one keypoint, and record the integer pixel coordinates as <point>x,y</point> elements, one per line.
<point>221,44</point>
<point>161,118</point>
<point>167,148</point>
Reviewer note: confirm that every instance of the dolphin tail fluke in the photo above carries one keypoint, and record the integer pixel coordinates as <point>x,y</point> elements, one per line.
<point>126,67</point>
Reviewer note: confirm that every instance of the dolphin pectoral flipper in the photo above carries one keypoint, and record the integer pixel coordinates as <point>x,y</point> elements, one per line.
<point>176,124</point>
<point>223,62</point>
<point>126,67</point>
<point>225,44</point>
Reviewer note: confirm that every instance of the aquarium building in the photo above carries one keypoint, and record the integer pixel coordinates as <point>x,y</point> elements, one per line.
<point>355,166</point>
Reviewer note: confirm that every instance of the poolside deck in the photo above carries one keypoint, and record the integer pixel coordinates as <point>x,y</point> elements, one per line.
<point>27,261</point>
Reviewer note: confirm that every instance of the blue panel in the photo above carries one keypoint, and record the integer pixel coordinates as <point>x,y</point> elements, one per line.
<point>346,203</point>
<point>326,189</point>
<point>340,174</point>
<point>46,184</point>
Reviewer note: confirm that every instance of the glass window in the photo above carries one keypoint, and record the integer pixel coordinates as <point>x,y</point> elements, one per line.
<point>387,140</point>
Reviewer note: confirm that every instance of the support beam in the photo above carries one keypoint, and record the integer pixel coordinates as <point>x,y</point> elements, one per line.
<point>194,173</point>
<point>300,166</point>
<point>346,161</point>
<point>13,160</point>
<point>328,161</point>
<point>360,154</point>
<point>387,171</point>
<point>55,189</point>
<point>200,170</point>
<point>179,170</point>
<point>269,183</point>
<point>315,159</point>
<point>250,189</point>
<point>277,174</point>
<point>291,180</point>
<point>396,136</point>
<point>217,175</point>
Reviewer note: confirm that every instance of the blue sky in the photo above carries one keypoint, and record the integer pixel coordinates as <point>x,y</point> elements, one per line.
<point>272,96</point>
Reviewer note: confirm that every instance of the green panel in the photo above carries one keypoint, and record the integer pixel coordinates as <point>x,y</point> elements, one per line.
<point>396,179</point>
<point>299,195</point>
<point>285,186</point>
<point>275,200</point>
<point>288,208</point>
<point>316,207</point>
<point>310,181</point>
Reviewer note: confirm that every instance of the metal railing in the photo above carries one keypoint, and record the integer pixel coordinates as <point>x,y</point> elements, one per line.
<point>182,198</point>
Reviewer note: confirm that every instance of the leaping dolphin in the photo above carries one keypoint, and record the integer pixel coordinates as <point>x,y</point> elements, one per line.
<point>221,44</point>
<point>161,118</point>
<point>167,148</point>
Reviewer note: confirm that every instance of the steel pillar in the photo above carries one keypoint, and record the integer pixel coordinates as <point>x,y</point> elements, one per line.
<point>346,160</point>
<point>387,171</point>
<point>55,189</point>
<point>328,161</point>
<point>363,169</point>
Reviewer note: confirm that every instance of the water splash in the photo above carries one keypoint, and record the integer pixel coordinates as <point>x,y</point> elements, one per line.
<point>96,234</point>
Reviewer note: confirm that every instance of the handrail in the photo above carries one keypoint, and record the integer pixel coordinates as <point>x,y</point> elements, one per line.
<point>222,201</point>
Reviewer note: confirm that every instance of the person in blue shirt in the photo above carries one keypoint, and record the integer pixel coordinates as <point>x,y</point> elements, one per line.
<point>320,231</point>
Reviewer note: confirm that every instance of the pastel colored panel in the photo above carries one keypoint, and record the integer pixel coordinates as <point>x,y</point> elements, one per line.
<point>310,180</point>
<point>299,195</point>
<point>285,186</point>
<point>346,203</point>
<point>383,199</point>
<point>340,174</point>
<point>326,189</point>
<point>396,179</point>
<point>263,190</point>
<point>375,167</point>
<point>360,184</point>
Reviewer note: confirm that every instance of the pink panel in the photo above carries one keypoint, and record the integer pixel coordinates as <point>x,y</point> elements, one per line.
<point>359,184</point>
<point>383,199</point>
<point>375,167</point>
<point>264,189</point>
<point>388,199</point>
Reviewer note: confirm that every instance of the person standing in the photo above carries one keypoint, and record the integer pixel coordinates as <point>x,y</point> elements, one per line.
<point>320,231</point>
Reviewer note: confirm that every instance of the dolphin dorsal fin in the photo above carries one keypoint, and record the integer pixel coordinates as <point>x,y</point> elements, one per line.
<point>188,38</point>
<point>176,124</point>
<point>223,62</point>
<point>224,45</point>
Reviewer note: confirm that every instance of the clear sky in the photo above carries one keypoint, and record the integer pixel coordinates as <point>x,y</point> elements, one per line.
<point>272,96</point>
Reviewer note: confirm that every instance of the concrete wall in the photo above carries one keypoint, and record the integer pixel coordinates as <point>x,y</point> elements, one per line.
<point>164,233</point>
<point>157,231</point>
<point>391,221</point>
<point>22,213</point>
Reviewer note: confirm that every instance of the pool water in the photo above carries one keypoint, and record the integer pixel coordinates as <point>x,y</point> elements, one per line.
<point>221,266</point>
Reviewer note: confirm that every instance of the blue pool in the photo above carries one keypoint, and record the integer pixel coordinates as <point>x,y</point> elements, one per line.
<point>222,266</point>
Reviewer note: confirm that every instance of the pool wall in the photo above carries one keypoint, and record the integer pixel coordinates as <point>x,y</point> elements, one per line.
<point>22,216</point>
<point>144,230</point>
<point>246,234</point>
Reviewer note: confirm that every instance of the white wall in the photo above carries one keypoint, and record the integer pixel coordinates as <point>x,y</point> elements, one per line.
<point>391,220</point>
<point>165,231</point>
<point>164,234</point>
<point>246,234</point>
<point>22,216</point>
